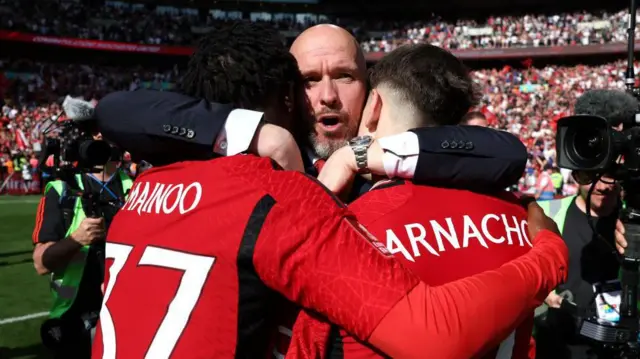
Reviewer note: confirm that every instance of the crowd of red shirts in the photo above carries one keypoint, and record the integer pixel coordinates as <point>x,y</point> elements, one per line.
<point>524,101</point>
<point>137,23</point>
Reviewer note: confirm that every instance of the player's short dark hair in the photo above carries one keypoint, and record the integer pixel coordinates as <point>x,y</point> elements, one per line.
<point>244,63</point>
<point>473,115</point>
<point>431,79</point>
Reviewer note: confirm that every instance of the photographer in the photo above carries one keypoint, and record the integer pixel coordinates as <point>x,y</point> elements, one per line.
<point>70,246</point>
<point>592,259</point>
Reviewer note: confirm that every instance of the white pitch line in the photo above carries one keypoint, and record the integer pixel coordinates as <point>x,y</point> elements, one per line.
<point>23,318</point>
<point>12,201</point>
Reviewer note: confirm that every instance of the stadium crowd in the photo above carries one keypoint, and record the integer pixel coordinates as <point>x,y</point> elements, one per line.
<point>565,29</point>
<point>32,92</point>
<point>526,102</point>
<point>117,21</point>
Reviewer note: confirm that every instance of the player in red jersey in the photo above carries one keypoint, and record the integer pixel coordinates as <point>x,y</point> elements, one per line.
<point>201,249</point>
<point>443,243</point>
<point>440,234</point>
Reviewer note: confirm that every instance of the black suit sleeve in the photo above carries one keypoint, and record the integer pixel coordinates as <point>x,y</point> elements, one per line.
<point>161,127</point>
<point>469,157</point>
<point>165,127</point>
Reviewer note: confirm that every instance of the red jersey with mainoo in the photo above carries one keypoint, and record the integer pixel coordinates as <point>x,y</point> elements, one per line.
<point>442,235</point>
<point>202,255</point>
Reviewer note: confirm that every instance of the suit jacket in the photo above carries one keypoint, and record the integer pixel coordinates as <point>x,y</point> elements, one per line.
<point>166,127</point>
<point>469,157</point>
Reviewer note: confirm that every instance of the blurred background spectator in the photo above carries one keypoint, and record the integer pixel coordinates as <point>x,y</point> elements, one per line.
<point>168,25</point>
<point>520,95</point>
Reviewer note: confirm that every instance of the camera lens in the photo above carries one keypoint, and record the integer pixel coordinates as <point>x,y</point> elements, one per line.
<point>94,153</point>
<point>588,146</point>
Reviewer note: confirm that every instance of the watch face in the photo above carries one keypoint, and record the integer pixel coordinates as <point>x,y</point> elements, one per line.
<point>361,140</point>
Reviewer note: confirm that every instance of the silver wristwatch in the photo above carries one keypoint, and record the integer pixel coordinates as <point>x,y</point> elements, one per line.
<point>360,145</point>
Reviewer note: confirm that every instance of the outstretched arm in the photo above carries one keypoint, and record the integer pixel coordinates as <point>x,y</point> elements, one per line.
<point>165,127</point>
<point>469,157</point>
<point>318,256</point>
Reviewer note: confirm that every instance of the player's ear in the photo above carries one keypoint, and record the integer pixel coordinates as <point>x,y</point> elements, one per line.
<point>371,113</point>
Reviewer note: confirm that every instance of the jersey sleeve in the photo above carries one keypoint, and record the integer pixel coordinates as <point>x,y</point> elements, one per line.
<point>322,260</point>
<point>468,316</point>
<point>49,226</point>
<point>314,252</point>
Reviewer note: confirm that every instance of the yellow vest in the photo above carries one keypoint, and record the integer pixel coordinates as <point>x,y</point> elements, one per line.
<point>556,179</point>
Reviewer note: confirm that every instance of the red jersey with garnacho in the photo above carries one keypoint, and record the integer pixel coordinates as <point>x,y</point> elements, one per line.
<point>443,235</point>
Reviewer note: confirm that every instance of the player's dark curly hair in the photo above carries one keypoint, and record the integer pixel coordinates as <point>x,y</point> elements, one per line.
<point>242,62</point>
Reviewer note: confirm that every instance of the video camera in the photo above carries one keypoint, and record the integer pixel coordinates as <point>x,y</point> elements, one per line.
<point>71,143</point>
<point>592,146</point>
<point>74,151</point>
<point>589,144</point>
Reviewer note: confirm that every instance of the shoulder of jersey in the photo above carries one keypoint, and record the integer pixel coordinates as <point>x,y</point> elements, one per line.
<point>386,196</point>
<point>453,194</point>
<point>285,186</point>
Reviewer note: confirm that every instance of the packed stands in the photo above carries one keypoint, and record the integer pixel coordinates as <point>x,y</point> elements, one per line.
<point>164,25</point>
<point>568,29</point>
<point>525,101</point>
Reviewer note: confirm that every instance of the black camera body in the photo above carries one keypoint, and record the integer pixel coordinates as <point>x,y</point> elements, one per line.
<point>590,144</point>
<point>74,150</point>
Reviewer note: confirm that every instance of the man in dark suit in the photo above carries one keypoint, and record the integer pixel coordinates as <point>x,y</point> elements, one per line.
<point>163,127</point>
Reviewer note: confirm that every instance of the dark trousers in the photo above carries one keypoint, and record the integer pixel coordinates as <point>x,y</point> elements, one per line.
<point>74,341</point>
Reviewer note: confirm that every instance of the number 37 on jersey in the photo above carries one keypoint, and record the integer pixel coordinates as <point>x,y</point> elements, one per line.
<point>194,271</point>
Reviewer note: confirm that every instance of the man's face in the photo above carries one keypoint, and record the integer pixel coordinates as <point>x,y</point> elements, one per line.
<point>335,87</point>
<point>604,197</point>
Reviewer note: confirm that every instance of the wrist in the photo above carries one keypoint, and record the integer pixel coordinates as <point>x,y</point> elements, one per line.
<point>376,159</point>
<point>360,148</point>
<point>348,159</point>
<point>73,237</point>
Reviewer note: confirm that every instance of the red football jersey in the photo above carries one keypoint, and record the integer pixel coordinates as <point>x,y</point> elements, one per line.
<point>443,235</point>
<point>198,254</point>
<point>200,250</point>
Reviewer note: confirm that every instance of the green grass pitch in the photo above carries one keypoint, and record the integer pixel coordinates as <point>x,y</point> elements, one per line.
<point>22,291</point>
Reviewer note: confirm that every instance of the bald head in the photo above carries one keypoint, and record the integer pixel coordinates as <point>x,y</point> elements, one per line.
<point>334,68</point>
<point>328,37</point>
